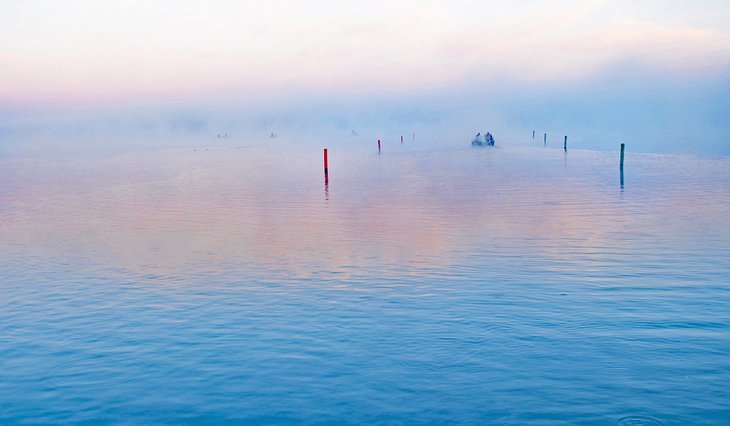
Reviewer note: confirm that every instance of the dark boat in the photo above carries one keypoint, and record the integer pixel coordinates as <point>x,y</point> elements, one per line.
<point>487,140</point>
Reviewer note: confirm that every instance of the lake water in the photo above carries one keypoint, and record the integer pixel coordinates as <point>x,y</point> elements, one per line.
<point>430,284</point>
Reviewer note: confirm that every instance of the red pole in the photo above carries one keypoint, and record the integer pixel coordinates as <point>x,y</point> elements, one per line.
<point>325,161</point>
<point>378,146</point>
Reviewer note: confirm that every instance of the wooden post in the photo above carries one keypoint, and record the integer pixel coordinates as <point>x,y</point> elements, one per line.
<point>565,143</point>
<point>622,156</point>
<point>533,135</point>
<point>378,146</point>
<point>544,139</point>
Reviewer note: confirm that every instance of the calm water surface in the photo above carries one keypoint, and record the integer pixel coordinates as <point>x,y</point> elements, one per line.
<point>429,284</point>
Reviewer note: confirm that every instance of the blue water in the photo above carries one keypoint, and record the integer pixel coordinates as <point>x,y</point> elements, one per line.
<point>430,284</point>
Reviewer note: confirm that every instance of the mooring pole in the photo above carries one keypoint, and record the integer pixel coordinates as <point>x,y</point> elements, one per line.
<point>565,143</point>
<point>622,156</point>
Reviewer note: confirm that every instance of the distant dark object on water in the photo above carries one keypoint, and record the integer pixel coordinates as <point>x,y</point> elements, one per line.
<point>273,135</point>
<point>486,140</point>
<point>354,133</point>
<point>223,136</point>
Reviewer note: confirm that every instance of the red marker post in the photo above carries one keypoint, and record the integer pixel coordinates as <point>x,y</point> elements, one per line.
<point>325,161</point>
<point>378,146</point>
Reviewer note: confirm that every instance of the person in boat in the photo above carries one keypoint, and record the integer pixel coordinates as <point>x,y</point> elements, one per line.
<point>489,139</point>
<point>477,139</point>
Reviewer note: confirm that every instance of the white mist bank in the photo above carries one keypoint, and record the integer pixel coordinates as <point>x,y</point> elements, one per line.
<point>663,118</point>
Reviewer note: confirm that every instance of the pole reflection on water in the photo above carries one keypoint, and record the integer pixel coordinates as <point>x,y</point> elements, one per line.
<point>622,176</point>
<point>326,186</point>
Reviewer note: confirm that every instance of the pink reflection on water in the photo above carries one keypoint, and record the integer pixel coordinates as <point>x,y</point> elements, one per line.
<point>171,210</point>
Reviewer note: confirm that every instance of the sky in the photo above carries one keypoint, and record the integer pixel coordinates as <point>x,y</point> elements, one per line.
<point>590,67</point>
